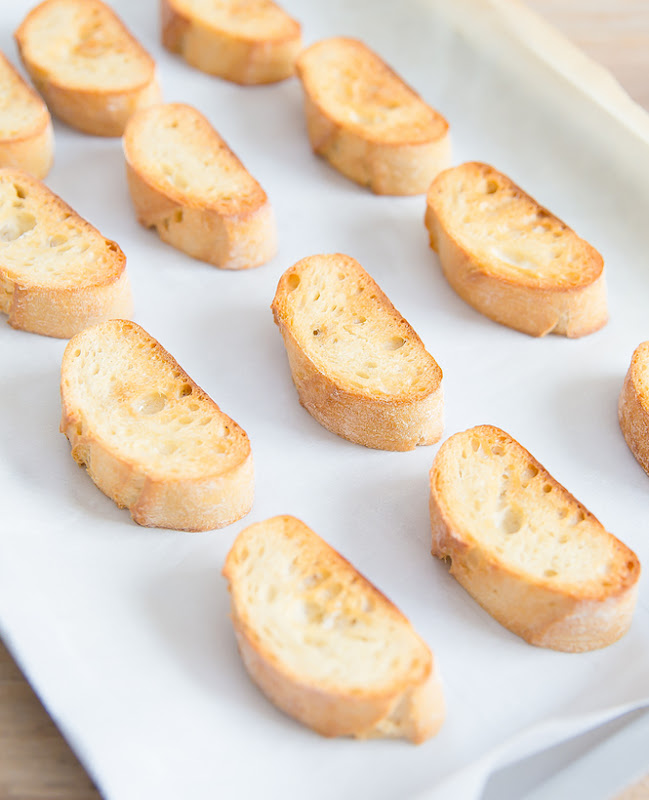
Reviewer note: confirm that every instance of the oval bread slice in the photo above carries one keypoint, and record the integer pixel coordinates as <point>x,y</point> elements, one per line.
<point>524,548</point>
<point>633,406</point>
<point>369,125</point>
<point>92,73</point>
<point>323,644</point>
<point>187,184</point>
<point>26,137</point>
<point>359,368</point>
<point>510,258</point>
<point>58,274</point>
<point>150,438</point>
<point>251,42</point>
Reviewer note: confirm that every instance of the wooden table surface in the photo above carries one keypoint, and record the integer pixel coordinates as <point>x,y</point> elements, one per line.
<point>35,761</point>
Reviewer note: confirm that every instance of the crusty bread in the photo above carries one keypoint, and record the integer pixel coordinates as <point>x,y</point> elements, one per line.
<point>359,368</point>
<point>323,643</point>
<point>524,548</point>
<point>633,406</point>
<point>26,138</point>
<point>58,274</point>
<point>246,42</point>
<point>510,258</point>
<point>367,122</point>
<point>187,184</point>
<point>150,438</point>
<point>92,73</point>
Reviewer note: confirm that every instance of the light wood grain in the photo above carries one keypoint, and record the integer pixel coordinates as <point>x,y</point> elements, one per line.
<point>613,32</point>
<point>35,762</point>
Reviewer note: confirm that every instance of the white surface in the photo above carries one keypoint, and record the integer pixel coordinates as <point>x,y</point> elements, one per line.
<point>607,769</point>
<point>124,631</point>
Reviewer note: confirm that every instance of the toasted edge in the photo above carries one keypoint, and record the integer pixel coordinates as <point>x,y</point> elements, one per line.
<point>234,58</point>
<point>98,111</point>
<point>415,712</point>
<point>390,168</point>
<point>227,234</point>
<point>31,150</point>
<point>633,408</point>
<point>399,423</point>
<point>62,312</point>
<point>571,311</point>
<point>540,614</point>
<point>187,504</point>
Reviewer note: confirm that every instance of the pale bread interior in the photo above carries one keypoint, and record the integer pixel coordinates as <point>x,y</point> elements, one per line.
<point>131,396</point>
<point>499,497</point>
<point>310,610</point>
<point>356,88</point>
<point>20,109</point>
<point>348,328</point>
<point>178,151</point>
<point>253,19</point>
<point>82,45</point>
<point>501,226</point>
<point>44,242</point>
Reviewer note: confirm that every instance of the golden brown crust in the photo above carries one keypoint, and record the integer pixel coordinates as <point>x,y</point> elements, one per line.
<point>411,707</point>
<point>234,231</point>
<point>155,497</point>
<point>99,110</point>
<point>243,59</point>
<point>392,157</point>
<point>572,304</point>
<point>562,616</point>
<point>32,147</point>
<point>40,305</point>
<point>399,420</point>
<point>633,406</point>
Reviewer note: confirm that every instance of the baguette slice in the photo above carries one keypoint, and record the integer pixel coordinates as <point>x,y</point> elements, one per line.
<point>633,406</point>
<point>511,259</point>
<point>367,122</point>
<point>247,42</point>
<point>26,138</point>
<point>150,438</point>
<point>359,368</point>
<point>525,549</point>
<point>58,274</point>
<point>187,184</point>
<point>323,644</point>
<point>92,73</point>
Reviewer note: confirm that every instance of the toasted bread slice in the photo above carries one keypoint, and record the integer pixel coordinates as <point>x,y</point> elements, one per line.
<point>58,274</point>
<point>367,122</point>
<point>247,42</point>
<point>92,73</point>
<point>633,406</point>
<point>323,643</point>
<point>187,184</point>
<point>510,258</point>
<point>359,368</point>
<point>26,138</point>
<point>524,548</point>
<point>150,438</point>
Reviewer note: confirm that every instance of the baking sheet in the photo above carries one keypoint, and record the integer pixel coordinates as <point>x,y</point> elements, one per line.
<point>124,631</point>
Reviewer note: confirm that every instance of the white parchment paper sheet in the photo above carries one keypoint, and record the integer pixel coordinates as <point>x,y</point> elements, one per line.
<point>124,631</point>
